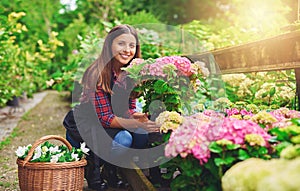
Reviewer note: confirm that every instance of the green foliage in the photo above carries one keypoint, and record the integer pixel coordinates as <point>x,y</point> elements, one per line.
<point>95,11</point>
<point>270,89</point>
<point>71,33</point>
<point>240,22</point>
<point>287,136</point>
<point>139,18</point>
<point>155,43</point>
<point>12,62</point>
<point>23,68</point>
<point>89,50</point>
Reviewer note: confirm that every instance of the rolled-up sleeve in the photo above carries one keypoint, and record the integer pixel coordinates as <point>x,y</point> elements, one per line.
<point>103,108</point>
<point>132,106</point>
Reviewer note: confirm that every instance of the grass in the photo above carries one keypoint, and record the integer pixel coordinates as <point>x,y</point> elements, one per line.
<point>7,140</point>
<point>5,184</point>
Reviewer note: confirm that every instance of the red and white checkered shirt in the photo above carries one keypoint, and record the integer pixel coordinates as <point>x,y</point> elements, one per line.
<point>103,106</point>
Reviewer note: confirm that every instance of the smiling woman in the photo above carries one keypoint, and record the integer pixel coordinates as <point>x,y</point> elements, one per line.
<point>114,129</point>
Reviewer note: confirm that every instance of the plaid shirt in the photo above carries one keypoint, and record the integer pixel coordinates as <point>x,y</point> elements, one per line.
<point>104,109</point>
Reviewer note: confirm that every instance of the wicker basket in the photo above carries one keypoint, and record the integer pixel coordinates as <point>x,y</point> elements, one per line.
<point>38,176</point>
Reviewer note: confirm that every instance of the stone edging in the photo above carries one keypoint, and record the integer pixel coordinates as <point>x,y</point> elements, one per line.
<point>9,116</point>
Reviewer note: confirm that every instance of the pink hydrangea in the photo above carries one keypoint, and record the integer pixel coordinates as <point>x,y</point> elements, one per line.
<point>182,64</point>
<point>156,69</point>
<point>285,113</point>
<point>235,111</point>
<point>189,139</point>
<point>235,130</point>
<point>195,134</point>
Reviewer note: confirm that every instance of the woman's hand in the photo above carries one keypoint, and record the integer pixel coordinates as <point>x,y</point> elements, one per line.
<point>150,126</point>
<point>141,117</point>
<point>140,121</point>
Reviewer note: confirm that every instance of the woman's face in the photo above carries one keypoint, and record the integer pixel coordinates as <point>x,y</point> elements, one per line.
<point>124,48</point>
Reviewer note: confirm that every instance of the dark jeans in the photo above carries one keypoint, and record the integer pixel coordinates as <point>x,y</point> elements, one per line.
<point>122,140</point>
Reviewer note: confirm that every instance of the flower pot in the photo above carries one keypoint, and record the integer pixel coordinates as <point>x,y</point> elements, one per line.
<point>14,102</point>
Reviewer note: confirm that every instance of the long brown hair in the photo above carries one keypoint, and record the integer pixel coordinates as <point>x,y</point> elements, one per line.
<point>100,71</point>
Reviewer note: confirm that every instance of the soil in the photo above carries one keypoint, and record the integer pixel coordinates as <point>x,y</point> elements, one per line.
<point>44,119</point>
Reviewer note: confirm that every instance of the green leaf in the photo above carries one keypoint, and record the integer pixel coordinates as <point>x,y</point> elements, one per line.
<point>243,155</point>
<point>296,121</point>
<point>232,146</point>
<point>219,161</point>
<point>229,160</point>
<point>262,150</point>
<point>264,95</point>
<point>172,99</point>
<point>280,135</point>
<point>180,182</point>
<point>279,147</point>
<point>272,91</point>
<point>160,86</point>
<point>215,148</point>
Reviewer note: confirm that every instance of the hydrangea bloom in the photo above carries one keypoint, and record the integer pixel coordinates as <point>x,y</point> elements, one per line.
<point>182,64</point>
<point>264,118</point>
<point>199,130</point>
<point>169,120</point>
<point>186,140</point>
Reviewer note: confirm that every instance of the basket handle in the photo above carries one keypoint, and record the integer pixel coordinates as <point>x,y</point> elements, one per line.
<point>42,140</point>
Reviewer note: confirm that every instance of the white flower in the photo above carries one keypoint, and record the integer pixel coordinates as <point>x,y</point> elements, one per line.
<point>75,156</point>
<point>21,151</point>
<point>50,83</point>
<point>51,153</point>
<point>83,148</point>
<point>54,158</point>
<point>54,149</point>
<point>37,153</point>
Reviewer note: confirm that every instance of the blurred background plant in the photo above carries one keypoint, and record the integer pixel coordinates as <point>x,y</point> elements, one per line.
<point>45,43</point>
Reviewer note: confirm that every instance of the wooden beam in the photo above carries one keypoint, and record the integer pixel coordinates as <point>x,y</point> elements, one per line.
<point>297,74</point>
<point>137,180</point>
<point>280,52</point>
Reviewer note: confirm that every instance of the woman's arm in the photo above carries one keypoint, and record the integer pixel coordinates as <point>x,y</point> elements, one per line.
<point>109,120</point>
<point>148,125</point>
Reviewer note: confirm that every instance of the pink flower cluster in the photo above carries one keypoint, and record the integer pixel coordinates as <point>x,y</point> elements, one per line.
<point>156,69</point>
<point>189,139</point>
<point>285,113</point>
<point>235,111</point>
<point>182,64</point>
<point>235,130</point>
<point>195,134</point>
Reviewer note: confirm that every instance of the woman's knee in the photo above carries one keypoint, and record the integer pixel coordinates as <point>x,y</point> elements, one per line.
<point>123,138</point>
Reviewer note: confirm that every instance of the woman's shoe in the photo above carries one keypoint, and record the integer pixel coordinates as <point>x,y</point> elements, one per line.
<point>98,186</point>
<point>110,173</point>
<point>92,173</point>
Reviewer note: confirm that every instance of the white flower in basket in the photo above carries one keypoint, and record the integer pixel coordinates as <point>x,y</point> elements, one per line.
<point>48,152</point>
